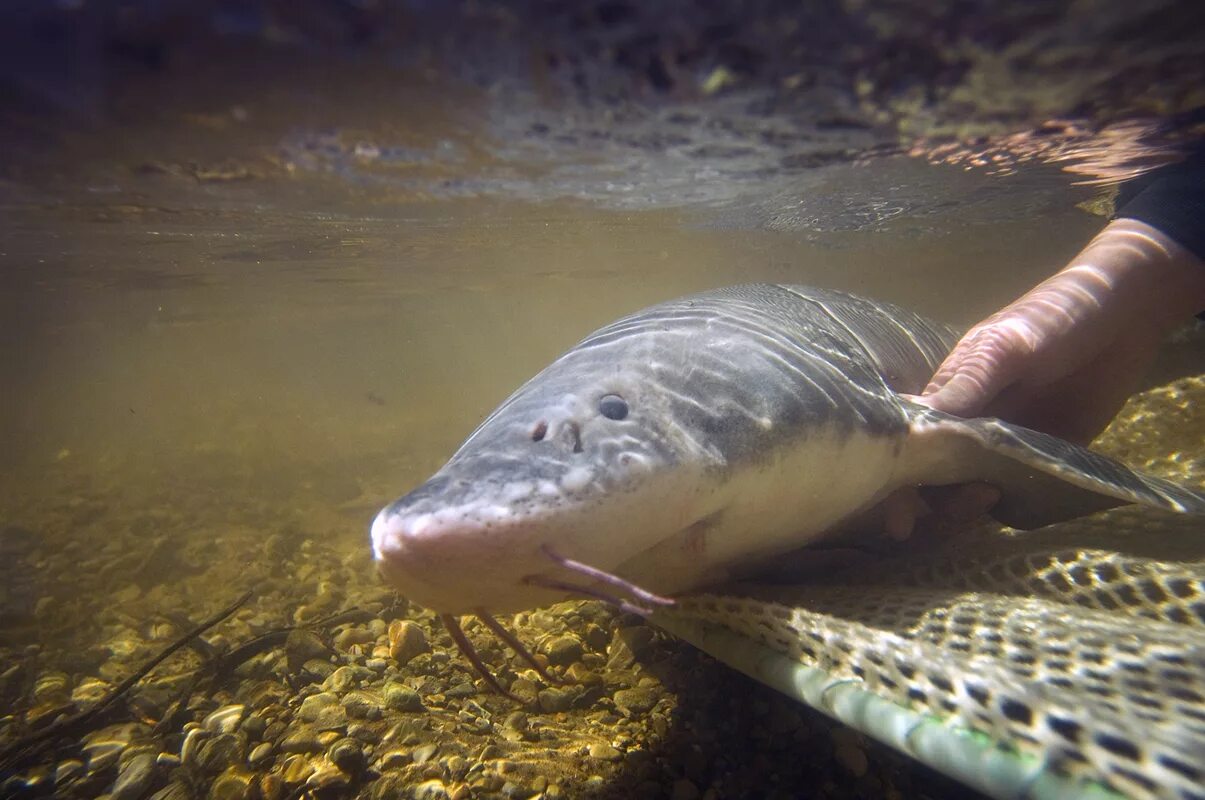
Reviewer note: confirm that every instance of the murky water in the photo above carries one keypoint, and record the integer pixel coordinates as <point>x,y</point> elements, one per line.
<point>251,294</point>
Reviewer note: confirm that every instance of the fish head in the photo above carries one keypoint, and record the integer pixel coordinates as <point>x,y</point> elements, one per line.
<point>583,460</point>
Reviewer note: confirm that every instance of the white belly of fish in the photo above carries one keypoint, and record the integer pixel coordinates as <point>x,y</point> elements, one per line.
<point>771,507</point>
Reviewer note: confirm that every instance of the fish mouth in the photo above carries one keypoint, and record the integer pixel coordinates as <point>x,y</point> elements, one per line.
<point>641,604</point>
<point>414,569</point>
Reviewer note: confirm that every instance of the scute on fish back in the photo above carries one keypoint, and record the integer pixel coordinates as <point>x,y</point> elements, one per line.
<point>688,443</point>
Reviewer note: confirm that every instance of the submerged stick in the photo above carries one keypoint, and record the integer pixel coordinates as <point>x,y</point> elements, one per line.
<point>30,745</point>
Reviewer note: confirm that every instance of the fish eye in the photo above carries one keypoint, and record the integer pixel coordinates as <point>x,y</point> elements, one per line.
<point>612,406</point>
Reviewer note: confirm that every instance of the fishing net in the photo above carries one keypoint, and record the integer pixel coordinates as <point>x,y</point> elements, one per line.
<point>1065,660</point>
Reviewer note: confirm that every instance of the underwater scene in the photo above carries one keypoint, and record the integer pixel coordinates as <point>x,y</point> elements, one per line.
<point>266,267</point>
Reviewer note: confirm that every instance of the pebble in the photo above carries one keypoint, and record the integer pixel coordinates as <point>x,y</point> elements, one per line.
<point>406,640</point>
<point>362,705</point>
<point>516,727</point>
<point>323,710</point>
<point>604,752</point>
<point>465,689</point>
<point>524,689</point>
<point>563,650</point>
<point>400,697</point>
<point>52,688</point>
<point>221,752</point>
<point>296,769</point>
<point>303,645</point>
<point>233,784</point>
<point>579,674</point>
<point>135,777</point>
<point>636,701</point>
<point>347,755</point>
<point>254,726</point>
<point>433,789</point>
<point>353,635</point>
<point>327,779</point>
<point>395,759</point>
<point>191,746</point>
<point>553,700</point>
<point>316,669</point>
<point>67,771</point>
<point>261,752</point>
<point>103,754</point>
<point>225,719</point>
<point>176,790</point>
<point>303,740</point>
<point>89,691</point>
<point>424,753</point>
<point>341,680</point>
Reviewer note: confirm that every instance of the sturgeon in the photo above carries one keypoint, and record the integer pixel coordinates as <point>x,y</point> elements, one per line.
<point>698,440</point>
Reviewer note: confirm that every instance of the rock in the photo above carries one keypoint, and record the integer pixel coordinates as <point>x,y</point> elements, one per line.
<point>302,740</point>
<point>90,691</point>
<point>52,688</point>
<point>302,646</point>
<point>254,726</point>
<point>224,719</point>
<point>347,755</point>
<point>636,701</point>
<point>233,784</point>
<point>323,711</point>
<point>296,769</point>
<point>327,780</point>
<point>400,697</point>
<point>627,645</point>
<point>577,673</point>
<point>67,771</point>
<point>363,732</point>
<point>424,753</point>
<point>596,637</point>
<point>176,790</point>
<point>516,791</point>
<point>516,727</point>
<point>545,620</point>
<point>604,752</point>
<point>563,650</point>
<point>406,640</point>
<point>526,690</point>
<point>462,690</point>
<point>353,635</point>
<point>261,753</point>
<point>553,699</point>
<point>362,705</point>
<point>431,790</point>
<point>135,778</point>
<point>342,680</point>
<point>316,670</point>
<point>194,738</point>
<point>219,753</point>
<point>104,747</point>
<point>395,759</point>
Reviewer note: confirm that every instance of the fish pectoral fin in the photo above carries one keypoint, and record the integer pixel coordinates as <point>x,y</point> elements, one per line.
<point>1042,479</point>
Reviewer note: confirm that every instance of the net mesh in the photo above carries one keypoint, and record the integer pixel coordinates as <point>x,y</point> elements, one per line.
<point>1082,644</point>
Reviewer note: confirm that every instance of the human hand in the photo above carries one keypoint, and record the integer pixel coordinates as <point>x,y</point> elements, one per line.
<point>1063,357</point>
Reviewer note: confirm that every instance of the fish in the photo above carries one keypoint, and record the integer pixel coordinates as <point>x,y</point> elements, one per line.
<point>701,440</point>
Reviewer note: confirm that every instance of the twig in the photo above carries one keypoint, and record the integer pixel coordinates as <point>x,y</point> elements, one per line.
<point>29,746</point>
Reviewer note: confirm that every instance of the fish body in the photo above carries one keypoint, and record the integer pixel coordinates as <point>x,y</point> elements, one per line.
<point>700,439</point>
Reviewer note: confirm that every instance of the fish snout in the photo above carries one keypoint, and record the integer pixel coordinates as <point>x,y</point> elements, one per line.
<point>447,563</point>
